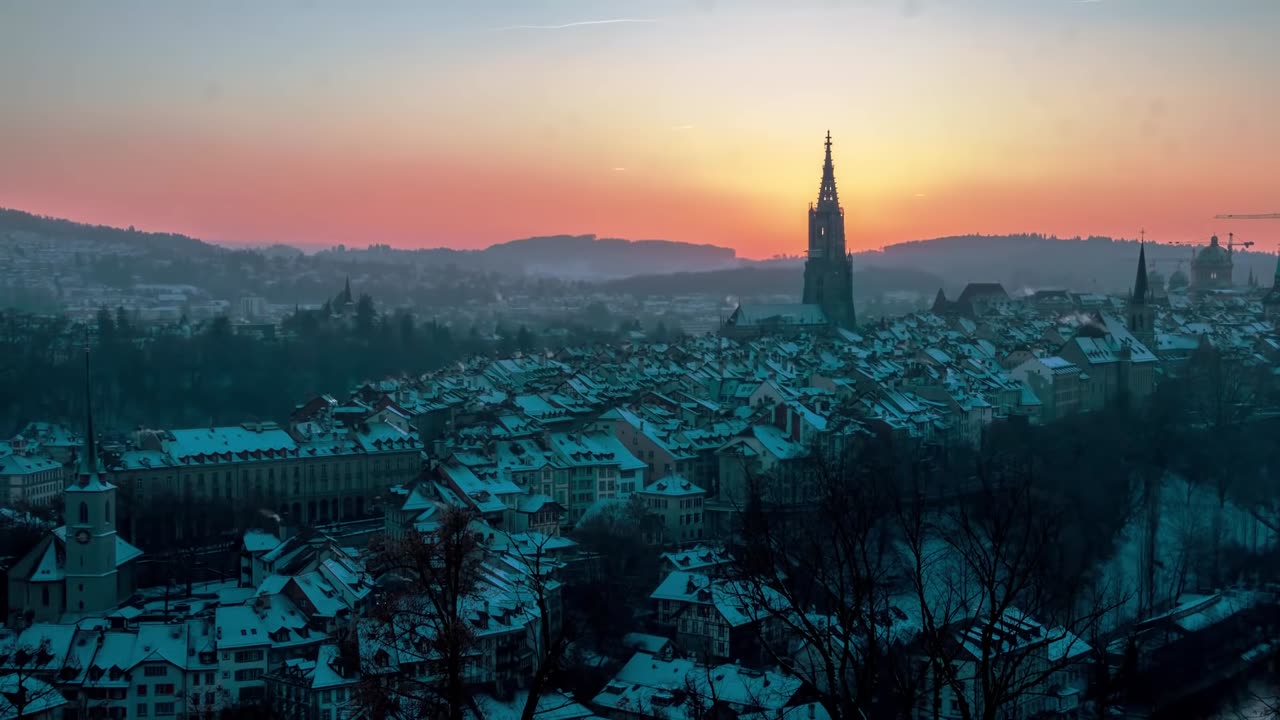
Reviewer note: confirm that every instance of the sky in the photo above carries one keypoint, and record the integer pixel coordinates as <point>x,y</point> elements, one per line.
<point>462,124</point>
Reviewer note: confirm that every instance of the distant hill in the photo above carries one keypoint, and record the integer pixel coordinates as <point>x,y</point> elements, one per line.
<point>589,257</point>
<point>1034,262</point>
<point>772,279</point>
<point>568,257</point>
<point>12,221</point>
<point>120,257</point>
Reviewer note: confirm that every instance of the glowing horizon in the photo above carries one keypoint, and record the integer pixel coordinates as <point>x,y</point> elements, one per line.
<point>322,124</point>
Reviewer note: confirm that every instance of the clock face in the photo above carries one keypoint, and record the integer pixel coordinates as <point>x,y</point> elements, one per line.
<point>82,536</point>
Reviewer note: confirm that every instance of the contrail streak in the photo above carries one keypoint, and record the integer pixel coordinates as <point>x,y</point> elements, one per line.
<point>579,23</point>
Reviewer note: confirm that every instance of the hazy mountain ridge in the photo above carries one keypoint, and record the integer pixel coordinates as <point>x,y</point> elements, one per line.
<point>772,279</point>
<point>18,221</point>
<point>591,257</point>
<point>581,257</point>
<point>1033,261</point>
<point>641,267</point>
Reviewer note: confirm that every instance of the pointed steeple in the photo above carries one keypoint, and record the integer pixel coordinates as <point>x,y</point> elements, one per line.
<point>89,457</point>
<point>827,192</point>
<point>1140,290</point>
<point>346,291</point>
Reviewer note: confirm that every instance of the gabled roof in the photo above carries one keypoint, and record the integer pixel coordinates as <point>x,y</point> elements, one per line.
<point>791,314</point>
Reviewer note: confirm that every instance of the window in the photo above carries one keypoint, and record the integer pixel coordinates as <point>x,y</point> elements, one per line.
<point>164,689</point>
<point>84,513</point>
<point>164,709</point>
<point>44,595</point>
<point>248,674</point>
<point>142,710</point>
<point>142,691</point>
<point>108,512</point>
<point>155,671</point>
<point>244,656</point>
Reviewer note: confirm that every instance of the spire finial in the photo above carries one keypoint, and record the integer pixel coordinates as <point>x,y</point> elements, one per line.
<point>1142,235</point>
<point>827,191</point>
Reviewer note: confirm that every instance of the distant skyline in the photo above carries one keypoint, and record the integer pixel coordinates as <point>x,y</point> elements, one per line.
<point>418,124</point>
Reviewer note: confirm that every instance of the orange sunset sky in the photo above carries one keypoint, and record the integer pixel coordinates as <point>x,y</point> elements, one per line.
<point>424,124</point>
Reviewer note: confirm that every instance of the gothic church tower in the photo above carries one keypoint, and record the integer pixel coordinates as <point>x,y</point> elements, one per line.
<point>828,273</point>
<point>1142,312</point>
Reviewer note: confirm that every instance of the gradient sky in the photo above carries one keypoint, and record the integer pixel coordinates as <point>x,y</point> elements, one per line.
<point>431,123</point>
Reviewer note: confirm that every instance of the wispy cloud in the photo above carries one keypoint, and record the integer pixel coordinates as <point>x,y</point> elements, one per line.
<point>619,169</point>
<point>580,23</point>
<point>682,127</point>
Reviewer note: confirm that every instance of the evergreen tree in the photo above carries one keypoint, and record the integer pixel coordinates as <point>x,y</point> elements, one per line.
<point>122,323</point>
<point>525,340</point>
<point>366,315</point>
<point>407,330</point>
<point>106,325</point>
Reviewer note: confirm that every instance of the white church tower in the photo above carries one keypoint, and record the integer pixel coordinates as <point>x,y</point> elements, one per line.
<point>92,580</point>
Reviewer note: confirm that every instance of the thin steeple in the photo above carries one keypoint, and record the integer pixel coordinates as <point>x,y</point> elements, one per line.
<point>827,192</point>
<point>89,461</point>
<point>1140,282</point>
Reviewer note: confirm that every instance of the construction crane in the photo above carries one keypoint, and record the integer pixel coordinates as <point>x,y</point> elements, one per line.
<point>1255,216</point>
<point>1231,243</point>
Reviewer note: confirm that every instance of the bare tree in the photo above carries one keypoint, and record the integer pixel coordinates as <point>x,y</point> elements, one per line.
<point>1001,607</point>
<point>550,638</point>
<point>26,678</point>
<point>624,568</point>
<point>414,649</point>
<point>823,568</point>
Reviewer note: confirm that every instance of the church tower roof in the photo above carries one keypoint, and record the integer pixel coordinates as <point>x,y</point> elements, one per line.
<point>89,475</point>
<point>827,197</point>
<point>1140,288</point>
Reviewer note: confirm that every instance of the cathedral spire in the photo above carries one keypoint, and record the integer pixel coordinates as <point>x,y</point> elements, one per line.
<point>1140,282</point>
<point>827,192</point>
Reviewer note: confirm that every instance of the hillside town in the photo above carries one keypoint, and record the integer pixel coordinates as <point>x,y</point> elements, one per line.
<point>532,448</point>
<point>626,530</point>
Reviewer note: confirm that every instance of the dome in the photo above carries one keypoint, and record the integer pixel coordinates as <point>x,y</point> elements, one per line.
<point>1213,255</point>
